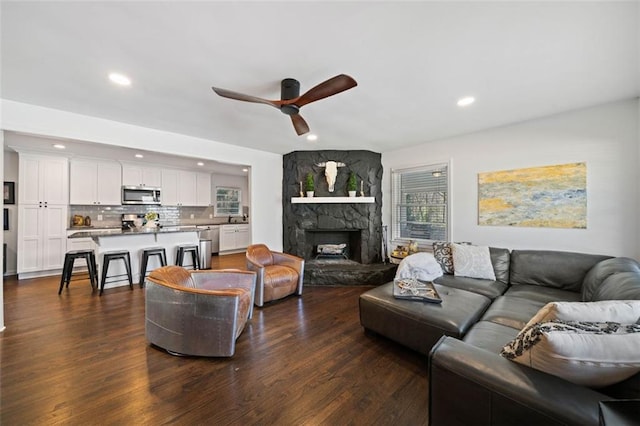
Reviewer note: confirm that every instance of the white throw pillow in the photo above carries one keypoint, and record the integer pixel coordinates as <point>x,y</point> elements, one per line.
<point>622,311</point>
<point>422,266</point>
<point>472,261</point>
<point>589,343</point>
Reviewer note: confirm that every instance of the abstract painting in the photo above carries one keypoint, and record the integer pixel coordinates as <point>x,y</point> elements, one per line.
<point>549,197</point>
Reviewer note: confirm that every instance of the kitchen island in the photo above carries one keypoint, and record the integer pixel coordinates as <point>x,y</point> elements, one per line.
<point>135,241</point>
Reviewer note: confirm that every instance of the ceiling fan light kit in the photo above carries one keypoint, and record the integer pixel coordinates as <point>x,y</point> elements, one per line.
<point>290,100</point>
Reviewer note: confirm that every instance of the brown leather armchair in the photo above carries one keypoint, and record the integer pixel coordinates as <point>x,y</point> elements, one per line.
<point>198,312</point>
<point>279,274</point>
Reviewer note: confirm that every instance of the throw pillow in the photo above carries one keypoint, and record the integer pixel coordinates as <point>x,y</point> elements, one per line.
<point>422,266</point>
<point>443,255</point>
<point>472,261</point>
<point>622,311</point>
<point>594,354</point>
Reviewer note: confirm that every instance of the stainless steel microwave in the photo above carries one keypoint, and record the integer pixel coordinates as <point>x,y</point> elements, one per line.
<point>140,195</point>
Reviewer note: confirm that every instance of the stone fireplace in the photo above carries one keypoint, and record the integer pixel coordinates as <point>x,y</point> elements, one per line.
<point>359,225</point>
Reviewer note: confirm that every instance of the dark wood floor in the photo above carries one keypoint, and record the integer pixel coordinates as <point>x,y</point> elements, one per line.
<point>83,359</point>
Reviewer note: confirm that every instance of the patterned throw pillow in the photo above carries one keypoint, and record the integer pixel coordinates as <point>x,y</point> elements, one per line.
<point>472,261</point>
<point>594,354</point>
<point>444,256</point>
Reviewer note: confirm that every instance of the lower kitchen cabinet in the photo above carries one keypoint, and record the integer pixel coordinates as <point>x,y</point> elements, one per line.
<point>42,238</point>
<point>235,237</point>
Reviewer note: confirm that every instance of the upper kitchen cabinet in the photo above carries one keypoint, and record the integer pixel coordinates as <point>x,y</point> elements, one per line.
<point>133,175</point>
<point>185,188</point>
<point>43,179</point>
<point>203,189</point>
<point>95,182</point>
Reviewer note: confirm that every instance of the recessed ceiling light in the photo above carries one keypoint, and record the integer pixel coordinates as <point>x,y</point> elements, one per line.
<point>139,156</point>
<point>200,163</point>
<point>245,170</point>
<point>120,79</point>
<point>59,146</point>
<point>462,102</point>
<point>311,137</point>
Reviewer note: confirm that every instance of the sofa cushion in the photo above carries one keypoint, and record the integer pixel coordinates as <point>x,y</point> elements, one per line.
<point>594,354</point>
<point>490,336</point>
<point>491,289</point>
<point>622,286</point>
<point>472,261</point>
<point>542,294</point>
<point>512,312</point>
<point>500,258</point>
<point>443,255</point>
<point>564,270</point>
<point>601,271</point>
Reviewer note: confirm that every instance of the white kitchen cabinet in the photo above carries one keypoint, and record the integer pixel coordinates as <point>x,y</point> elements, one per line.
<point>43,179</point>
<point>43,199</point>
<point>187,195</point>
<point>179,188</point>
<point>203,189</point>
<point>169,195</point>
<point>42,238</point>
<point>133,175</point>
<point>235,237</point>
<point>95,182</point>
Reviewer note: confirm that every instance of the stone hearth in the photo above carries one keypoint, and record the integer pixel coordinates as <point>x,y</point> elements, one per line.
<point>359,225</point>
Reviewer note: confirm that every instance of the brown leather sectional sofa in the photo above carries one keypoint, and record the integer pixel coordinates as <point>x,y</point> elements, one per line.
<point>469,382</point>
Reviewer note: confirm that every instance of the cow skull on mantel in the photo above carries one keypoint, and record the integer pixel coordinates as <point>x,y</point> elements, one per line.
<point>331,171</point>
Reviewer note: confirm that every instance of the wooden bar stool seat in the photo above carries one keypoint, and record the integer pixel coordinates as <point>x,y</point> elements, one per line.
<point>183,249</point>
<point>67,271</point>
<point>115,255</point>
<point>146,254</point>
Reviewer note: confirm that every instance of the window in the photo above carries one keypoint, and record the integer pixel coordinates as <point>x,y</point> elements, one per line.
<point>420,203</point>
<point>227,201</point>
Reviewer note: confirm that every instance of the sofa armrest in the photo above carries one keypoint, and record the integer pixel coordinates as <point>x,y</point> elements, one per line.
<point>469,385</point>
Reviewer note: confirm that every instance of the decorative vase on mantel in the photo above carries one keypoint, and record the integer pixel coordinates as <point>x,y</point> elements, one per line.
<point>310,194</point>
<point>352,193</point>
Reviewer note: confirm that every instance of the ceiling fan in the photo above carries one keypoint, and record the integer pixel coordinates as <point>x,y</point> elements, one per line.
<point>291,101</point>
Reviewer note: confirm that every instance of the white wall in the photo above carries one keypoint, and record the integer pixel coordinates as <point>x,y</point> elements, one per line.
<point>605,137</point>
<point>266,168</point>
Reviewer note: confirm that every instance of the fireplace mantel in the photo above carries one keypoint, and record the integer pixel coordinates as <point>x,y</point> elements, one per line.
<point>318,200</point>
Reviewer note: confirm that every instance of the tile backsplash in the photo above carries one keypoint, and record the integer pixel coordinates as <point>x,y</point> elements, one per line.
<point>169,215</point>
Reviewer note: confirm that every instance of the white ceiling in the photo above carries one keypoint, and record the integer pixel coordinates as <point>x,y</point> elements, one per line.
<point>412,61</point>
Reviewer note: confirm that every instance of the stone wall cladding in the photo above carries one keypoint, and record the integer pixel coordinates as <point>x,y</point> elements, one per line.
<point>297,218</point>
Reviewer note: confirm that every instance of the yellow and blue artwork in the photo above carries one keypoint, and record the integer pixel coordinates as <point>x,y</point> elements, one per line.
<point>545,197</point>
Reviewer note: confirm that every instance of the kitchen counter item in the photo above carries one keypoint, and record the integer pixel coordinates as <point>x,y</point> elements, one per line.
<point>77,220</point>
<point>87,221</point>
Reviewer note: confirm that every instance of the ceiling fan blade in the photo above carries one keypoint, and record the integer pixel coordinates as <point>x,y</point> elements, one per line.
<point>333,86</point>
<point>299,124</point>
<point>247,98</point>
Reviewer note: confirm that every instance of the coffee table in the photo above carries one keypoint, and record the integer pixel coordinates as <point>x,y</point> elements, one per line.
<point>418,325</point>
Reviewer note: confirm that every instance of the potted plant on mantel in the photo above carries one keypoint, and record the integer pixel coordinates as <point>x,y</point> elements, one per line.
<point>309,185</point>
<point>352,185</point>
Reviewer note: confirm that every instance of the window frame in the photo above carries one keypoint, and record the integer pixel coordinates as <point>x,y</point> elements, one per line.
<point>395,200</point>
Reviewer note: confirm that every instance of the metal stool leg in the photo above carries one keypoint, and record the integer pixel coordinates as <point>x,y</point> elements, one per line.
<point>104,273</point>
<point>127,265</point>
<point>65,271</point>
<point>143,268</point>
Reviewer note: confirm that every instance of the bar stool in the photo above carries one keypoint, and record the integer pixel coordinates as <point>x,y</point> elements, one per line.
<point>115,255</point>
<point>90,257</point>
<point>188,248</point>
<point>146,254</point>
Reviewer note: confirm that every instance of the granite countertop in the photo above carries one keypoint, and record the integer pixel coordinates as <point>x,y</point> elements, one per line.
<point>111,232</point>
